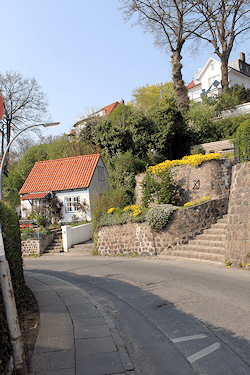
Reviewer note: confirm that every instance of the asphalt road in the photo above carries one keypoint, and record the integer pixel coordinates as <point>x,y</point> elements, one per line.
<point>175,318</point>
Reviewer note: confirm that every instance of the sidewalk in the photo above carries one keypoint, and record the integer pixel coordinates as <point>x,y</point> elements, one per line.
<point>76,336</point>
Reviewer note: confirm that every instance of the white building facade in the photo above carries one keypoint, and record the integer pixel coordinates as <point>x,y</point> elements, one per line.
<point>206,81</point>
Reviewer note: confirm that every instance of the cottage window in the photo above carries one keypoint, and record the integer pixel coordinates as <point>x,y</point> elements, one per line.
<point>35,204</point>
<point>71,204</point>
<point>101,176</point>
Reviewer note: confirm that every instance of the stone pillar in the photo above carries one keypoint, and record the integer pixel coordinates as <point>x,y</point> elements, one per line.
<point>238,228</point>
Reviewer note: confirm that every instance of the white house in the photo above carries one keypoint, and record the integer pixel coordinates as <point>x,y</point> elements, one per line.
<point>73,180</point>
<point>103,112</point>
<point>207,80</point>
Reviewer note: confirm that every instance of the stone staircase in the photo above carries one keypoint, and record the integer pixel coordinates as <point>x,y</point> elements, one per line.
<point>82,249</point>
<point>56,246</point>
<point>208,247</point>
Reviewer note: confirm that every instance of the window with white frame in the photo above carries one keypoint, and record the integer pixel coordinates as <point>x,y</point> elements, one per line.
<point>71,204</point>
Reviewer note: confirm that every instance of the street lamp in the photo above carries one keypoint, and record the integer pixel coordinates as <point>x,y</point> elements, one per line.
<point>6,283</point>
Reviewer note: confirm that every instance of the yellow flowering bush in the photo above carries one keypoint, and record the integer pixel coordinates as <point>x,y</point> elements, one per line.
<point>111,210</point>
<point>193,160</point>
<point>136,209</point>
<point>188,204</point>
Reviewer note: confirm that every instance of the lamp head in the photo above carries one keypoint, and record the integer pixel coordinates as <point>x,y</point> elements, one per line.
<point>47,124</point>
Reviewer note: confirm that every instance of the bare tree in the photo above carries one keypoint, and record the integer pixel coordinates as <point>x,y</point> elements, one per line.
<point>224,21</point>
<point>171,22</point>
<point>24,105</point>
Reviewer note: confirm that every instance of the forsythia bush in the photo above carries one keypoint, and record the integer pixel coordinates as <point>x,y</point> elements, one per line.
<point>188,204</point>
<point>192,160</point>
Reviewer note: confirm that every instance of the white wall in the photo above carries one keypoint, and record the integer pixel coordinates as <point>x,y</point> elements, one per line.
<point>74,235</point>
<point>25,208</point>
<point>209,73</point>
<point>83,194</point>
<point>61,196</point>
<point>239,79</point>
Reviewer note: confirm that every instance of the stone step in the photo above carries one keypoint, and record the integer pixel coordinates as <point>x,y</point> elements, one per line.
<point>212,237</point>
<point>57,244</point>
<point>189,260</point>
<point>192,247</point>
<point>53,251</point>
<point>201,242</point>
<point>83,249</point>
<point>57,240</point>
<point>222,221</point>
<point>215,257</point>
<point>51,247</point>
<point>219,225</point>
<point>214,231</point>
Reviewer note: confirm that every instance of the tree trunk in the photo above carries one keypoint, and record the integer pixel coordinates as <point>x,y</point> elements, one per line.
<point>7,157</point>
<point>179,86</point>
<point>224,72</point>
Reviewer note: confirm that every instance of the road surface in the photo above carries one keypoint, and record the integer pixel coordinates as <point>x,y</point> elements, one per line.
<point>174,317</point>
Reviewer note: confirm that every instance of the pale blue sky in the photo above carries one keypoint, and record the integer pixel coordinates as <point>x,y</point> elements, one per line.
<point>83,55</point>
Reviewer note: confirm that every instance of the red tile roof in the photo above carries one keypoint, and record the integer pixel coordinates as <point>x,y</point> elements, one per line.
<point>109,108</point>
<point>61,174</point>
<point>191,85</point>
<point>35,196</point>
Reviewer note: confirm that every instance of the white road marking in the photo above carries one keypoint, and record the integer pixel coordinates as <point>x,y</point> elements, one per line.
<point>188,338</point>
<point>210,349</point>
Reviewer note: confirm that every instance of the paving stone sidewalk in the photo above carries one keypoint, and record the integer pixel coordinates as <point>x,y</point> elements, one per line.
<point>76,336</point>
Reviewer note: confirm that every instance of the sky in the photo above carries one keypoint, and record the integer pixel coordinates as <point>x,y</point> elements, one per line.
<point>83,55</point>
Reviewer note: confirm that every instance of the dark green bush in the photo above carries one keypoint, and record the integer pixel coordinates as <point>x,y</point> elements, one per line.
<point>162,189</point>
<point>12,246</point>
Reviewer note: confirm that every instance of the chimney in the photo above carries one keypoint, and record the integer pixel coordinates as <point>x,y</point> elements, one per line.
<point>242,57</point>
<point>122,101</point>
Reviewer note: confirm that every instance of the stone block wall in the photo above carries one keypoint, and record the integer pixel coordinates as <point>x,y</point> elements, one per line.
<point>185,224</point>
<point>238,228</point>
<point>212,178</point>
<point>36,247</point>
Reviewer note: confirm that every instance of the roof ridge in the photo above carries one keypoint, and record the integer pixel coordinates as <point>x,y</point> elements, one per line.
<point>69,157</point>
<point>109,105</point>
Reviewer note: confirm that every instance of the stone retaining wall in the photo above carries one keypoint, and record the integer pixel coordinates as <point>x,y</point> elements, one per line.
<point>36,247</point>
<point>185,224</point>
<point>212,178</point>
<point>238,228</point>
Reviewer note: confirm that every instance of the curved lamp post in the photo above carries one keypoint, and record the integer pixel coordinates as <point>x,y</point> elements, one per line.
<point>6,284</point>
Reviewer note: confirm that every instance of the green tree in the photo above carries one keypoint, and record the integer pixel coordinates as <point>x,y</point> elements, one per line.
<point>203,128</point>
<point>171,136</point>
<point>125,129</point>
<point>145,97</point>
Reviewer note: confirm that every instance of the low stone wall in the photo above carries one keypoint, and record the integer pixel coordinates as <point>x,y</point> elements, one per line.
<point>185,224</point>
<point>36,247</point>
<point>212,178</point>
<point>238,227</point>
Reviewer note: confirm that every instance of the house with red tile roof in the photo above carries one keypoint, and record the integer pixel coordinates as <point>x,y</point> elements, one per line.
<point>103,112</point>
<point>74,180</point>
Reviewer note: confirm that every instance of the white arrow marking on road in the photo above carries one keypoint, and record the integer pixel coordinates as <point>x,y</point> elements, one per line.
<point>210,349</point>
<point>188,338</point>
